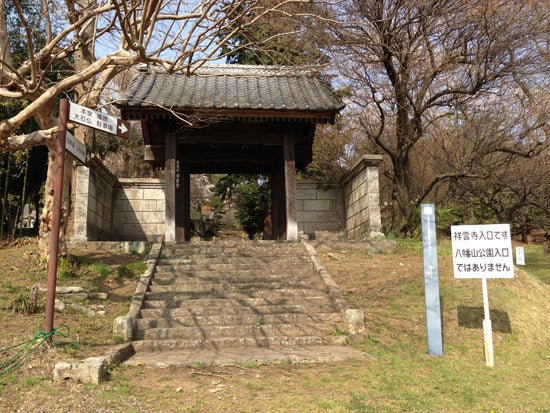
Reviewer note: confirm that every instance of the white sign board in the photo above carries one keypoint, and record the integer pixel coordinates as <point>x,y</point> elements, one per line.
<point>97,120</point>
<point>482,251</point>
<point>520,256</point>
<point>77,149</point>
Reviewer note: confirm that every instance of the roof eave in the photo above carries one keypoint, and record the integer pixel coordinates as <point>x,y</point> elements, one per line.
<point>152,113</point>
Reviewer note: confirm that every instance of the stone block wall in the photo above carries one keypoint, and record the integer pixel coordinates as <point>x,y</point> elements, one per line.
<point>319,207</point>
<point>107,208</point>
<point>138,210</point>
<point>111,209</point>
<point>94,187</point>
<point>362,199</point>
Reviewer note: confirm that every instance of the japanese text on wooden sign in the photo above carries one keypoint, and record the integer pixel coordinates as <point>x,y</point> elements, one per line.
<point>482,251</point>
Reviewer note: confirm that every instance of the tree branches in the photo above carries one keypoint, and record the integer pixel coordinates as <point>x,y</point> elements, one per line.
<point>177,35</point>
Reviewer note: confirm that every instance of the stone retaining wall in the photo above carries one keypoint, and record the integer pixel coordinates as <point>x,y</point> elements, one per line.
<point>138,210</point>
<point>107,208</point>
<point>94,188</point>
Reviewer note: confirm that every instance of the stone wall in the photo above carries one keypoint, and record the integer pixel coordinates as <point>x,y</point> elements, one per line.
<point>94,187</point>
<point>319,207</point>
<point>138,210</point>
<point>107,208</point>
<point>362,199</point>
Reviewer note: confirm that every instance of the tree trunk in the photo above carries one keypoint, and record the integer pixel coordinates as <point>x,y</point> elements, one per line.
<point>83,58</point>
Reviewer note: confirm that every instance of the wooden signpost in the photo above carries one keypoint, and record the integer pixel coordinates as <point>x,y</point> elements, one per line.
<point>483,251</point>
<point>69,111</point>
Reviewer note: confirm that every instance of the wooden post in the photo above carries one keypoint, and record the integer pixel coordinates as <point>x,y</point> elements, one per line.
<point>56,213</point>
<point>278,215</point>
<point>183,225</point>
<point>290,188</point>
<point>170,163</point>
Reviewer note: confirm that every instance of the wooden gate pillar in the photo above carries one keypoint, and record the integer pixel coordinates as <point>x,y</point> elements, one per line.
<point>184,205</point>
<point>176,193</point>
<point>170,163</point>
<point>290,188</point>
<point>278,214</point>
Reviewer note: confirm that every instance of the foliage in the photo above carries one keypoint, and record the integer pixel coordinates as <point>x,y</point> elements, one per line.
<point>22,176</point>
<point>23,304</point>
<point>123,157</point>
<point>269,41</point>
<point>330,160</point>
<point>250,194</point>
<point>132,270</point>
<point>252,200</point>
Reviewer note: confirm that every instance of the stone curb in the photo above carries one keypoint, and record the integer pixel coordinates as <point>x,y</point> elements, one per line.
<point>354,319</point>
<point>97,369</point>
<point>124,325</point>
<point>93,369</point>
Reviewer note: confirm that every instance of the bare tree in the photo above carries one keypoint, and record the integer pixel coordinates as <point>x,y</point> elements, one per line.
<point>94,40</point>
<point>416,64</point>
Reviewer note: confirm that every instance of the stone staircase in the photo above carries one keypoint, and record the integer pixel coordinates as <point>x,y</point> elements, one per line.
<point>226,295</point>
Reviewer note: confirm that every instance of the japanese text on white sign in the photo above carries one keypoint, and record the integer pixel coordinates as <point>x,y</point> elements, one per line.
<point>98,120</point>
<point>482,251</point>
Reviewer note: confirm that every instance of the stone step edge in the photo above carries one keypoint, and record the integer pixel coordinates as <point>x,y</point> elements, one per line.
<point>150,346</point>
<point>264,331</point>
<point>237,320</point>
<point>235,302</point>
<point>258,311</point>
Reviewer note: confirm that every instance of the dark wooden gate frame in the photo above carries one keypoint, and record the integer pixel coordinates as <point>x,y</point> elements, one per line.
<point>235,153</point>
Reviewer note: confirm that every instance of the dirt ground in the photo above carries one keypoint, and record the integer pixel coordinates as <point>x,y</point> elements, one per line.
<point>368,280</point>
<point>85,326</point>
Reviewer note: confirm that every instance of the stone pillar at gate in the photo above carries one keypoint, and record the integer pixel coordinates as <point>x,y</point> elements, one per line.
<point>362,199</point>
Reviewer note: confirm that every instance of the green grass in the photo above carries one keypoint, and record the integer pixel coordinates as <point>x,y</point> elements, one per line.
<point>132,270</point>
<point>397,376</point>
<point>537,264</point>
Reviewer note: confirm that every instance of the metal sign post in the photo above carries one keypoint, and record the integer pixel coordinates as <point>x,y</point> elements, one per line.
<point>483,251</point>
<point>66,141</point>
<point>487,326</point>
<point>431,281</point>
<point>56,213</point>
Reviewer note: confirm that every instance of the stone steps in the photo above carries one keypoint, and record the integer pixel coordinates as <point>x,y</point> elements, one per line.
<point>229,273</point>
<point>236,280</point>
<point>159,310</point>
<point>189,292</point>
<point>254,284</point>
<point>214,295</point>
<point>189,319</point>
<point>220,331</point>
<point>234,342</point>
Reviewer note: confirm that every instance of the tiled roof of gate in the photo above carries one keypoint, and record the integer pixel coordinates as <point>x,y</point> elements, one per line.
<point>240,87</point>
